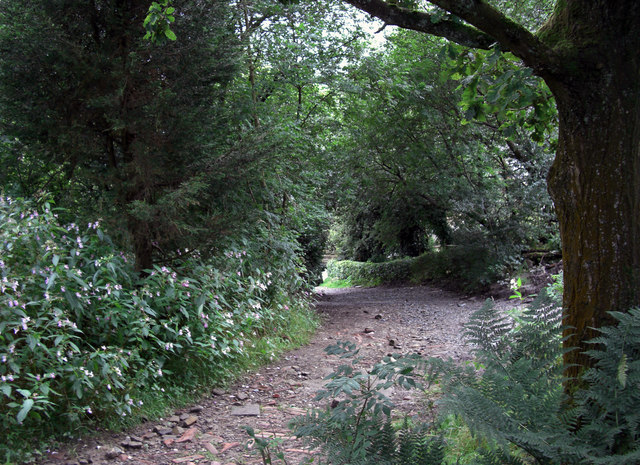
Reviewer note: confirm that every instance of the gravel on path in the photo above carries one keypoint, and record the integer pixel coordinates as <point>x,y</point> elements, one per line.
<point>383,320</point>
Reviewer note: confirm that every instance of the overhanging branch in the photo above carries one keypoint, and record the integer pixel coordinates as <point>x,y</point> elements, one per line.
<point>424,22</point>
<point>510,35</point>
<point>486,26</point>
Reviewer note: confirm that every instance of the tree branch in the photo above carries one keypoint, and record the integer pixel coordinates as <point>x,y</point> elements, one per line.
<point>486,26</point>
<point>510,35</point>
<point>424,22</point>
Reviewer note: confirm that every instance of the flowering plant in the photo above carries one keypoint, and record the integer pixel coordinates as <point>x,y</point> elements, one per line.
<point>81,334</point>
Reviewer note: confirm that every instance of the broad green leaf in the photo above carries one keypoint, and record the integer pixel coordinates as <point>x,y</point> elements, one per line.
<point>24,411</point>
<point>52,280</point>
<point>170,34</point>
<point>200,302</point>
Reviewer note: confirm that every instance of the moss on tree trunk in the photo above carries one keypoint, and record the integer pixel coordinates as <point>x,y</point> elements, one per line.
<point>595,179</point>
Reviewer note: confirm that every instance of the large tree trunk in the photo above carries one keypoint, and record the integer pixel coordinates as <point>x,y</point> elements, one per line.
<point>595,178</point>
<point>595,184</point>
<point>142,244</point>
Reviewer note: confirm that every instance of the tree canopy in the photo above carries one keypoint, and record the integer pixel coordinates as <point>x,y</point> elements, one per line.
<point>586,55</point>
<point>263,120</point>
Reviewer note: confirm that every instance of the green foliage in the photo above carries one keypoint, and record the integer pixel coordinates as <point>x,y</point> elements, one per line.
<point>495,83</point>
<point>269,449</point>
<point>610,408</point>
<point>333,283</point>
<point>470,268</point>
<point>113,126</point>
<point>370,274</point>
<point>158,22</point>
<point>83,339</point>
<point>356,426</point>
<point>418,173</point>
<point>516,397</point>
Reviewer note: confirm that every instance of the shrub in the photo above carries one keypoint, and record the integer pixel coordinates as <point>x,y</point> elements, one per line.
<point>471,268</point>
<point>81,336</point>
<point>356,427</point>
<point>370,274</point>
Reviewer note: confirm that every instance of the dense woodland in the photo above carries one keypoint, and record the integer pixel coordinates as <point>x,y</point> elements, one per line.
<point>173,172</point>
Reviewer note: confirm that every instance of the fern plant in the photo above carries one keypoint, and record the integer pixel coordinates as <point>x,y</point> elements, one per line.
<point>516,398</point>
<point>410,445</point>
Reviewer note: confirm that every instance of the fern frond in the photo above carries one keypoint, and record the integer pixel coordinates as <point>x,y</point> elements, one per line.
<point>499,456</point>
<point>487,329</point>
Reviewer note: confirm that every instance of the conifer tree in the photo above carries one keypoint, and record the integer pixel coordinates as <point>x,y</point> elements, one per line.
<point>133,128</point>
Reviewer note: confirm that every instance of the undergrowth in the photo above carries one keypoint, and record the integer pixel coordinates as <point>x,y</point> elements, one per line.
<point>368,274</point>
<point>506,407</point>
<point>356,426</point>
<point>513,397</point>
<point>85,341</point>
<point>469,269</point>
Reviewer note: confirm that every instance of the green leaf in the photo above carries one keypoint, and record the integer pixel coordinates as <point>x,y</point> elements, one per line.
<point>24,411</point>
<point>622,371</point>
<point>52,279</point>
<point>200,302</point>
<point>6,390</point>
<point>56,259</point>
<point>170,34</point>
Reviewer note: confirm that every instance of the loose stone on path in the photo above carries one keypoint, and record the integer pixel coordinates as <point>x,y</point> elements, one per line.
<point>249,410</point>
<point>417,319</point>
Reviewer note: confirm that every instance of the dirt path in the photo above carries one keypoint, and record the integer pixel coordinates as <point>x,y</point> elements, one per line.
<point>381,320</point>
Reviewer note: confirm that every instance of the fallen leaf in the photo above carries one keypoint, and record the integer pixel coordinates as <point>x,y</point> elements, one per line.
<point>188,435</point>
<point>228,446</point>
<point>211,448</point>
<point>188,459</point>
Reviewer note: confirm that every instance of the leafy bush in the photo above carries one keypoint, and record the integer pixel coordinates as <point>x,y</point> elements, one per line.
<point>370,274</point>
<point>82,337</point>
<point>356,426</point>
<point>471,268</point>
